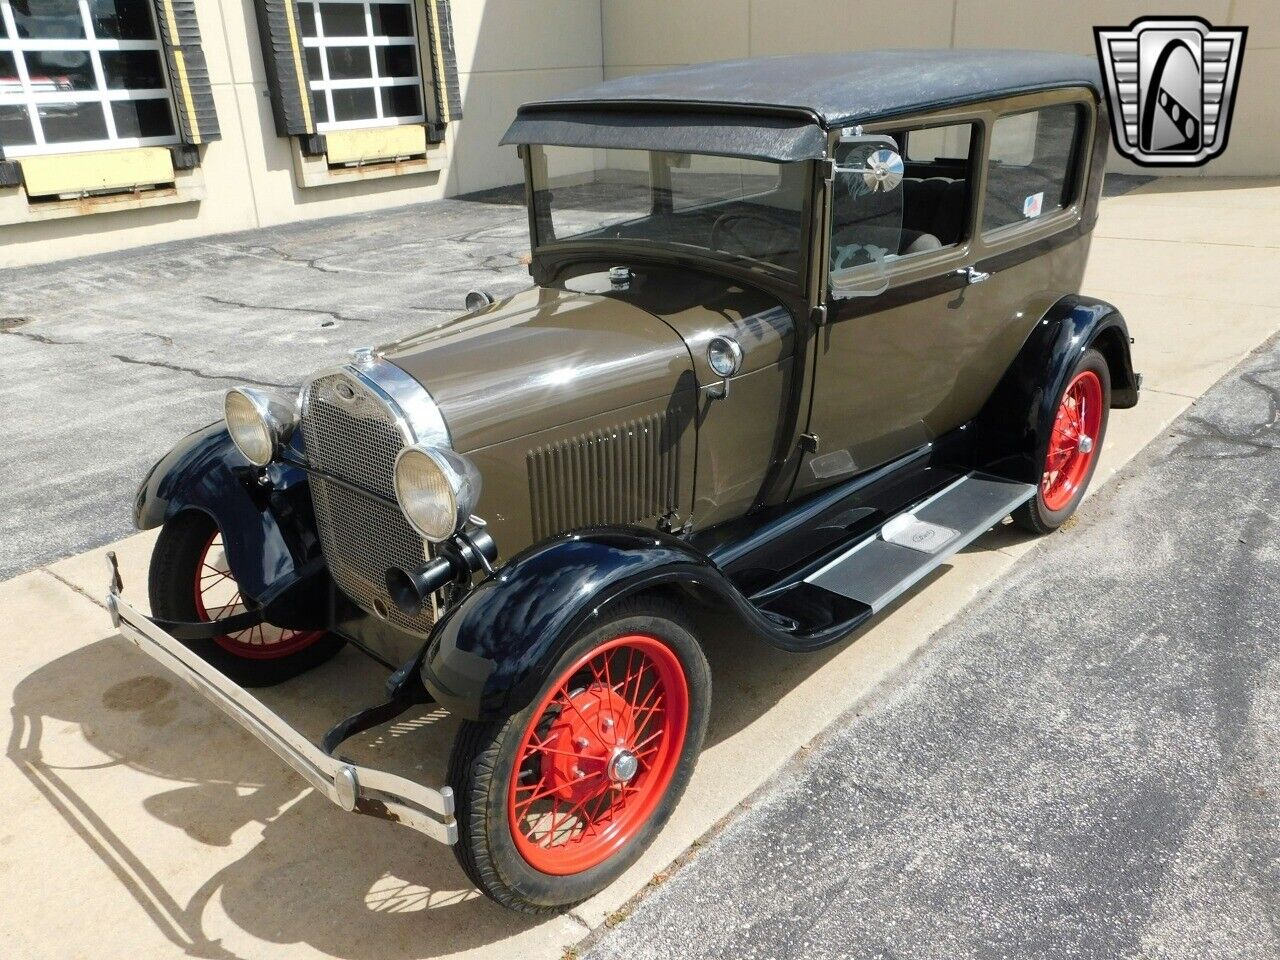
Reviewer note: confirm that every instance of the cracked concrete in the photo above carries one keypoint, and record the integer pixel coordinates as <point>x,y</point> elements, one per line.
<point>105,362</point>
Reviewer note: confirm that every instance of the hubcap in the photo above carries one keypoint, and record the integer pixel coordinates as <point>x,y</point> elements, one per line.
<point>1072,443</point>
<point>598,755</point>
<point>624,766</point>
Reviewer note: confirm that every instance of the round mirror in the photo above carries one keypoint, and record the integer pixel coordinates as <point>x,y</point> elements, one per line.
<point>883,171</point>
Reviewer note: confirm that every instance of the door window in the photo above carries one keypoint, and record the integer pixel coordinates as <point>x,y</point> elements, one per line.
<point>1029,175</point>
<point>927,208</point>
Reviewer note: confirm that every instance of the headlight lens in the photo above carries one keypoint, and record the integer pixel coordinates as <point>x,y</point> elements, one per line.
<point>437,490</point>
<point>259,423</point>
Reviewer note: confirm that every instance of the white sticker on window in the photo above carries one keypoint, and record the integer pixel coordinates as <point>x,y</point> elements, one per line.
<point>1033,204</point>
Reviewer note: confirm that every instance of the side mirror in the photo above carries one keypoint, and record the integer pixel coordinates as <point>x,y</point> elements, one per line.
<point>866,213</point>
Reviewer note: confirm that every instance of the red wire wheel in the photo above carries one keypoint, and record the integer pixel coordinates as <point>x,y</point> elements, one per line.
<point>217,597</point>
<point>1074,441</point>
<point>598,755</point>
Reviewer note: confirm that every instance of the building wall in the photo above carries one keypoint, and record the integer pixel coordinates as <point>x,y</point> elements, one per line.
<point>510,51</point>
<point>721,29</point>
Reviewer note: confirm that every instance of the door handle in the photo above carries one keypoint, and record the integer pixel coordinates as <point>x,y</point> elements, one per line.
<point>973,274</point>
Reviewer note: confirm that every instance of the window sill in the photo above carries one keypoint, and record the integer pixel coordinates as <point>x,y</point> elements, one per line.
<point>66,175</point>
<point>369,155</point>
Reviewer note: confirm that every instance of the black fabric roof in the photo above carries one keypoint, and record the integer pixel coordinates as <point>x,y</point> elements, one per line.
<point>826,90</point>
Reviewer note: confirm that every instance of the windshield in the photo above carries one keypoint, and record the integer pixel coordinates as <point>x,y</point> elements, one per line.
<point>742,210</point>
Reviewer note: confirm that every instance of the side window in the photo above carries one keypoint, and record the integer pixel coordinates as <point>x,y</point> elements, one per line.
<point>926,208</point>
<point>1029,175</point>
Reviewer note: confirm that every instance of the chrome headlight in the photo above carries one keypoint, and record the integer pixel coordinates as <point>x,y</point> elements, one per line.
<point>260,423</point>
<point>437,490</point>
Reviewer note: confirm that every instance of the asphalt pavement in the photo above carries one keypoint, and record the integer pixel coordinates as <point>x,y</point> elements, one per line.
<point>1084,764</point>
<point>105,362</point>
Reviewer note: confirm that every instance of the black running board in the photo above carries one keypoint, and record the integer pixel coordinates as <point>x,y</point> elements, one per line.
<point>842,593</point>
<point>912,544</point>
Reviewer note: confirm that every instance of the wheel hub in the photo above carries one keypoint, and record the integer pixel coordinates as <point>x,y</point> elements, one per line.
<point>623,765</point>
<point>586,753</point>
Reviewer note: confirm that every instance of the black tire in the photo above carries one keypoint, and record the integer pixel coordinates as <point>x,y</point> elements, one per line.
<point>174,571</point>
<point>484,758</point>
<point>1035,515</point>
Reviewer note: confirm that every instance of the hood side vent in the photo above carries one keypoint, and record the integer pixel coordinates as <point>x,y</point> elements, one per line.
<point>616,475</point>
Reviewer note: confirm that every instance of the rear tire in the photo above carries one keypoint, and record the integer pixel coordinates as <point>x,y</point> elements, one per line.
<point>190,582</point>
<point>1080,421</point>
<point>569,754</point>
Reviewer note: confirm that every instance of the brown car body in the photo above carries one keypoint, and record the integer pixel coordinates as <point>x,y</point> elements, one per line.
<point>773,433</point>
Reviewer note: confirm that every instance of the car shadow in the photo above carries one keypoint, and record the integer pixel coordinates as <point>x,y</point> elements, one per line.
<point>348,886</point>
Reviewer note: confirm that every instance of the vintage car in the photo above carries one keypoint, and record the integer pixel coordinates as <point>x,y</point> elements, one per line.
<point>802,328</point>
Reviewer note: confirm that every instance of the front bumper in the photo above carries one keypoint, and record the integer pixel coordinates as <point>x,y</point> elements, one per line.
<point>349,785</point>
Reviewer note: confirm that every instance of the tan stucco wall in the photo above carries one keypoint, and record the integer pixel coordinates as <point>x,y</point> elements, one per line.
<point>515,50</point>
<point>720,29</point>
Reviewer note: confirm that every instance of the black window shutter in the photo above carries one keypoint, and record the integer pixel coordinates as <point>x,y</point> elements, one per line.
<point>188,71</point>
<point>444,63</point>
<point>287,77</point>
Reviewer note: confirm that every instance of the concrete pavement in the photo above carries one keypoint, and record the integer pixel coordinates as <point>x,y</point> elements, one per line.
<point>1083,765</point>
<point>174,834</point>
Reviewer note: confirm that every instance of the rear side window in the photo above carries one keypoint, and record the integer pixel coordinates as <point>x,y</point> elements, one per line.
<point>1030,172</point>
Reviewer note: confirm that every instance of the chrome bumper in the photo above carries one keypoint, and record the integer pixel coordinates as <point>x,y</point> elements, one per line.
<point>350,786</point>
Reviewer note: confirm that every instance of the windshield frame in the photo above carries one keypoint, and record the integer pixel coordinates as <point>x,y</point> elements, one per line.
<point>562,252</point>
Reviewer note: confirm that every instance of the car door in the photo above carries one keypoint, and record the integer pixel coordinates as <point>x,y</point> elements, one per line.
<point>899,332</point>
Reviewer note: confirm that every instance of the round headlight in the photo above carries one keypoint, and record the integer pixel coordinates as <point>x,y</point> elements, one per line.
<point>437,490</point>
<point>259,423</point>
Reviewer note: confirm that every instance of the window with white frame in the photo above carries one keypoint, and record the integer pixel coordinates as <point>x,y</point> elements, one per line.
<point>364,63</point>
<point>81,75</point>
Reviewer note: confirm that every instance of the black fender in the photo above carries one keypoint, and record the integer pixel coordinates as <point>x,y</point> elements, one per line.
<point>268,530</point>
<point>1013,426</point>
<point>489,656</point>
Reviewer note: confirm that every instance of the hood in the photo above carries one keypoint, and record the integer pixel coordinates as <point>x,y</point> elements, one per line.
<point>541,359</point>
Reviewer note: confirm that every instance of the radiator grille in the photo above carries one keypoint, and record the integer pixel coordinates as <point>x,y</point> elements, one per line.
<point>622,474</point>
<point>356,439</point>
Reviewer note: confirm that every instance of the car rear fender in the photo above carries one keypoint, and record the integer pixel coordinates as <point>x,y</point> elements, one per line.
<point>1013,424</point>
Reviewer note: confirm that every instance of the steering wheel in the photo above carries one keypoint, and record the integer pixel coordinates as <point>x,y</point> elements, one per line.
<point>723,224</point>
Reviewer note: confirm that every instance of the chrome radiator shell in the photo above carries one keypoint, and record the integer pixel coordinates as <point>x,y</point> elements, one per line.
<point>354,422</point>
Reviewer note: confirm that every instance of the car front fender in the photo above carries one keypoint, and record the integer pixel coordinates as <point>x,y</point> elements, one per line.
<point>268,531</point>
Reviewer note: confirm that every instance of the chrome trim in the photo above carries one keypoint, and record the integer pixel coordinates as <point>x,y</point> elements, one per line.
<point>417,413</point>
<point>352,787</point>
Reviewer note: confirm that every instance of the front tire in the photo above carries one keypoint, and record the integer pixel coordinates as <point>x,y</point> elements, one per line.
<point>190,581</point>
<point>555,802</point>
<point>1076,433</point>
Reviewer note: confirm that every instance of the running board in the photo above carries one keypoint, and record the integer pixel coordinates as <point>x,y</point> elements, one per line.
<point>912,544</point>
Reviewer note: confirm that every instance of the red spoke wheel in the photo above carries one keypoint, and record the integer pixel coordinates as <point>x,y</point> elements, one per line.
<point>598,755</point>
<point>217,596</point>
<point>557,800</point>
<point>191,580</point>
<point>1074,438</point>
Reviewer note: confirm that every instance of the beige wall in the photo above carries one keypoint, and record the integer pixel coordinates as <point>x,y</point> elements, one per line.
<point>515,50</point>
<point>720,29</point>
